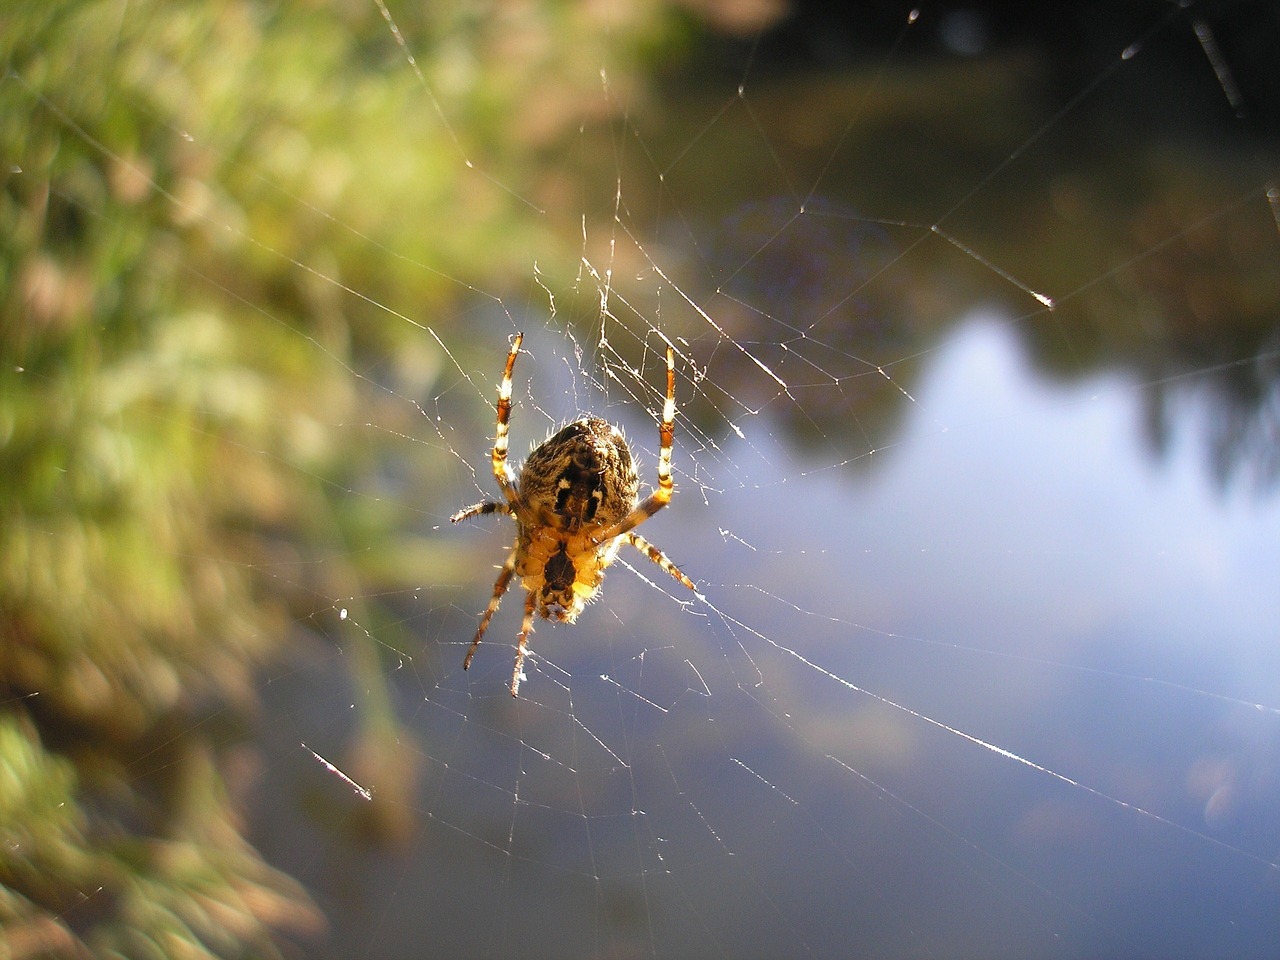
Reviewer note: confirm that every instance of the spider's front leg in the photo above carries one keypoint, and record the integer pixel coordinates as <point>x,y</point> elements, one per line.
<point>658,557</point>
<point>522,641</point>
<point>499,588</point>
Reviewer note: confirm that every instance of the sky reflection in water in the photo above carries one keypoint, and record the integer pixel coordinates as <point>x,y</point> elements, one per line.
<point>1019,567</point>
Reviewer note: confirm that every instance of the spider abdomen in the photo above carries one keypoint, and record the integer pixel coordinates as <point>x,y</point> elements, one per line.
<point>581,476</point>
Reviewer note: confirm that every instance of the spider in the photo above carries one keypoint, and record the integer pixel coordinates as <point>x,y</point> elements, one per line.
<point>575,502</point>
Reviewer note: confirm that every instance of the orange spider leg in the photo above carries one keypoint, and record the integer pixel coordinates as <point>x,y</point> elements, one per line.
<point>499,588</point>
<point>526,628</point>
<point>658,557</point>
<point>666,433</point>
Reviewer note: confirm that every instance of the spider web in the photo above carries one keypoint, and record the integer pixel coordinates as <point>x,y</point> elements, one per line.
<point>975,456</point>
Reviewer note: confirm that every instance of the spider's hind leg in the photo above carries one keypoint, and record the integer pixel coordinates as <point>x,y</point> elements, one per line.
<point>501,471</point>
<point>661,496</point>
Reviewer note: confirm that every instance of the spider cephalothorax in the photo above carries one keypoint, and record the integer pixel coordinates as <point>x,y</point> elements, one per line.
<point>575,501</point>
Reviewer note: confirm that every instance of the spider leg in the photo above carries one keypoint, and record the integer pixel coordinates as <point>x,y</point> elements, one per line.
<point>526,628</point>
<point>501,471</point>
<point>499,588</point>
<point>484,506</point>
<point>658,557</point>
<point>661,496</point>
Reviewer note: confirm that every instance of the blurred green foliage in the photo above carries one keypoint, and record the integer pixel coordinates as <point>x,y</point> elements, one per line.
<point>192,192</point>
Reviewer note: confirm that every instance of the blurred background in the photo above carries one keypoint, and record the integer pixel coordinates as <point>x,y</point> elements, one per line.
<point>977,311</point>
